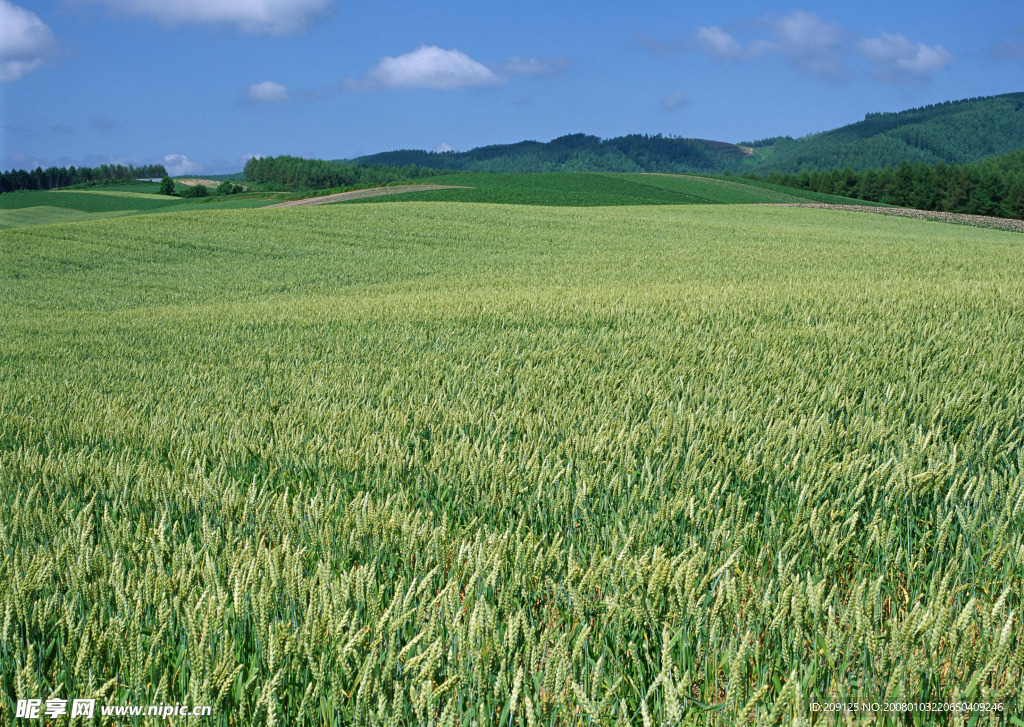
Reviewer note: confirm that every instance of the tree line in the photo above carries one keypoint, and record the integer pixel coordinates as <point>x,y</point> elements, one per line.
<point>55,177</point>
<point>992,187</point>
<point>296,173</point>
<point>956,132</point>
<point>578,153</point>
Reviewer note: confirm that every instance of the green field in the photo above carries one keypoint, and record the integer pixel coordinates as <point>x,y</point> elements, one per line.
<point>481,464</point>
<point>20,209</point>
<point>45,215</point>
<point>570,189</point>
<point>119,186</point>
<point>596,189</point>
<point>98,200</point>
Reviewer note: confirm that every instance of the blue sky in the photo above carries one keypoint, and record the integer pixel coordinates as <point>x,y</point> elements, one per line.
<point>200,85</point>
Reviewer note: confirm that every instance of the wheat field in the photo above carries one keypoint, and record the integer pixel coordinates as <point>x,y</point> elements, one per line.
<point>443,464</point>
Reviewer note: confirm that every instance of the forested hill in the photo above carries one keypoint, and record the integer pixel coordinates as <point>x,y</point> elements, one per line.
<point>953,132</point>
<point>579,153</point>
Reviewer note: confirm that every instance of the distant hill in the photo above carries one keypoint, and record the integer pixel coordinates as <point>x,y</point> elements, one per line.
<point>579,153</point>
<point>952,132</point>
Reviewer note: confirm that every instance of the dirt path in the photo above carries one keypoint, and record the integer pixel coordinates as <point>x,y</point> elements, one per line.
<point>361,193</point>
<point>957,218</point>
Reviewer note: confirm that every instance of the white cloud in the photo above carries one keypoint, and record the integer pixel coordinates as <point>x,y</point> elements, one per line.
<point>808,43</point>
<point>277,17</point>
<point>822,48</point>
<point>716,42</point>
<point>267,92</point>
<point>534,66</point>
<point>674,101</point>
<point>426,67</point>
<point>26,42</point>
<point>179,164</point>
<point>443,147</point>
<point>804,39</point>
<point>899,60</point>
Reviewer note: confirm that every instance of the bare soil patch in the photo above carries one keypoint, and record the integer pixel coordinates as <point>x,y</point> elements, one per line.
<point>194,182</point>
<point>361,193</point>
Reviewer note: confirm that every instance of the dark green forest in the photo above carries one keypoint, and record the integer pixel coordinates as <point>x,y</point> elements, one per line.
<point>579,153</point>
<point>993,186</point>
<point>954,132</point>
<point>56,177</point>
<point>296,173</point>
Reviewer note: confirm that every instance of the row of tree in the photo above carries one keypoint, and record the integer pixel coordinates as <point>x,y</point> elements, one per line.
<point>296,173</point>
<point>55,177</point>
<point>981,188</point>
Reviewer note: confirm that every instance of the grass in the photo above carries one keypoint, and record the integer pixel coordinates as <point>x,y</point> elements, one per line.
<point>43,215</point>
<point>496,464</point>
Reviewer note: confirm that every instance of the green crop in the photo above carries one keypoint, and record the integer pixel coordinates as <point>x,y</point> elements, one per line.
<point>487,464</point>
<point>43,215</point>
<point>91,201</point>
<point>20,209</point>
<point>591,189</point>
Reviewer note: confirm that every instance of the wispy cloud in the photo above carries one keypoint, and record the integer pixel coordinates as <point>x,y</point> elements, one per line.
<point>267,92</point>
<point>657,46</point>
<point>715,41</point>
<point>426,67</point>
<point>26,42</point>
<point>806,41</point>
<point>898,60</point>
<point>22,161</point>
<point>809,43</point>
<point>276,17</point>
<point>674,101</point>
<point>535,66</point>
<point>1011,49</point>
<point>815,46</point>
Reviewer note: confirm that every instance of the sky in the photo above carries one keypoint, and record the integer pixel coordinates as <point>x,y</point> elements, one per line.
<point>202,85</point>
